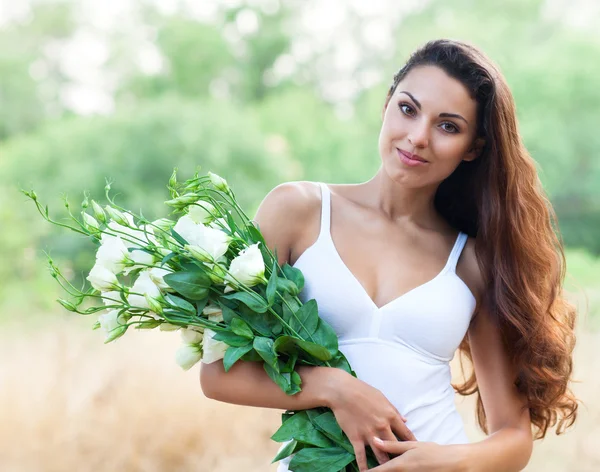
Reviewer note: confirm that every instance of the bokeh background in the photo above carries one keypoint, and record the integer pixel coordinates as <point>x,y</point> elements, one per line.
<point>261,92</point>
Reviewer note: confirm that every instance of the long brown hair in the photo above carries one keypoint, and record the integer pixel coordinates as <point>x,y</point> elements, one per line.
<point>498,199</point>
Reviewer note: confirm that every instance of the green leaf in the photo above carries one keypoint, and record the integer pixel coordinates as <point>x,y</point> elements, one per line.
<point>230,338</point>
<point>96,325</point>
<point>285,285</point>
<point>331,459</point>
<point>254,302</point>
<point>295,275</point>
<point>233,354</point>
<point>316,350</point>
<point>288,450</point>
<point>178,237</point>
<point>305,320</point>
<point>200,305</point>
<point>255,233</point>
<point>327,423</point>
<point>167,258</point>
<point>228,313</point>
<point>180,303</point>
<point>241,328</point>
<point>193,285</point>
<point>299,428</point>
<point>282,380</point>
<point>264,347</point>
<point>272,285</point>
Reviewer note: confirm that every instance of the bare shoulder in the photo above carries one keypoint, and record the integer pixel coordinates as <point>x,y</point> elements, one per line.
<point>286,214</point>
<point>469,271</point>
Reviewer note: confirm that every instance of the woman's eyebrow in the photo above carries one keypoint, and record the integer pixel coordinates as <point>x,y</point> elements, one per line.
<point>442,115</point>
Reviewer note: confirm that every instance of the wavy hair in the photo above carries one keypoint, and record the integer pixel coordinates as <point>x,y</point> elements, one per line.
<point>498,199</point>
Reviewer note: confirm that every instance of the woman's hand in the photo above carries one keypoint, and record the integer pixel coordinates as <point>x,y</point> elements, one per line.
<point>363,413</point>
<point>416,456</point>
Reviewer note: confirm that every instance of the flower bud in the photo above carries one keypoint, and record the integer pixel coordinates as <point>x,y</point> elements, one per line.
<point>90,222</point>
<point>188,355</point>
<point>98,212</point>
<point>217,274</point>
<point>116,215</point>
<point>67,304</point>
<point>164,224</point>
<point>168,327</point>
<point>183,201</point>
<point>219,182</point>
<point>192,336</point>
<point>154,304</point>
<point>86,201</point>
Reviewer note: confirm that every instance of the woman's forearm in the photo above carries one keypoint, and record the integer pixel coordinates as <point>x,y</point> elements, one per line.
<point>506,450</point>
<point>247,383</point>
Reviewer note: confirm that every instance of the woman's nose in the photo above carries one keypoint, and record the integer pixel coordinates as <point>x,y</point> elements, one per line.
<point>419,135</point>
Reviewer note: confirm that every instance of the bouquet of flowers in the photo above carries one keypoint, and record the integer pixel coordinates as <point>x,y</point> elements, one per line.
<point>209,274</point>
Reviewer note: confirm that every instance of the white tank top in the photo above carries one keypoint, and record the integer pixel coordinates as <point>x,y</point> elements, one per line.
<point>402,348</point>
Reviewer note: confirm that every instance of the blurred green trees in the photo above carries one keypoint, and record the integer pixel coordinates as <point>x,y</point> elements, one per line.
<point>214,103</point>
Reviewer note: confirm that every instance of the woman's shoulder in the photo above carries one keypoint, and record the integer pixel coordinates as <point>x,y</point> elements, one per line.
<point>285,213</point>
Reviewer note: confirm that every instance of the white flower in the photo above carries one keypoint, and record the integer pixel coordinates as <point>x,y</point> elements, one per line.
<point>248,268</point>
<point>202,212</point>
<point>168,327</point>
<point>110,321</point>
<point>163,224</point>
<point>187,229</point>
<point>140,259</point>
<point>213,312</point>
<point>113,255</point>
<point>157,276</point>
<point>143,286</point>
<point>188,355</point>
<point>129,231</point>
<point>112,297</point>
<point>192,336</point>
<point>213,350</point>
<point>102,279</point>
<point>215,224</point>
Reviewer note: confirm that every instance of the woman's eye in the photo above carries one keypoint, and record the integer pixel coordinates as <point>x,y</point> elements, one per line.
<point>450,128</point>
<point>404,107</point>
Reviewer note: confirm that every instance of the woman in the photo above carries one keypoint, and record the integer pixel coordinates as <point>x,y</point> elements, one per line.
<point>449,246</point>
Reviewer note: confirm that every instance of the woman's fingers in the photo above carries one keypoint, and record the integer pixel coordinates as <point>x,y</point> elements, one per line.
<point>402,431</point>
<point>361,456</point>
<point>386,435</point>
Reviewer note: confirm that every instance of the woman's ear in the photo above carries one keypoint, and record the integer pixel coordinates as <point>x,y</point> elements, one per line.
<point>475,151</point>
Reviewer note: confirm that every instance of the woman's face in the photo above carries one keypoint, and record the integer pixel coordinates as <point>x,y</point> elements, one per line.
<point>429,127</point>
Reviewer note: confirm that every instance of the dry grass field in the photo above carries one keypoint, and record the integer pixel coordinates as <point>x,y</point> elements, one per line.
<point>69,403</point>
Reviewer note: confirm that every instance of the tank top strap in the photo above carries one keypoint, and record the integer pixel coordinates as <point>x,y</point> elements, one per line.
<point>456,252</point>
<point>325,210</point>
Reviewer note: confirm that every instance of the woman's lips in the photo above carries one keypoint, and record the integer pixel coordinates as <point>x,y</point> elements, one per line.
<point>410,159</point>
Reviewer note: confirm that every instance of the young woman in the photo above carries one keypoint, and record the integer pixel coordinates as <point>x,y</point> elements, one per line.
<point>451,245</point>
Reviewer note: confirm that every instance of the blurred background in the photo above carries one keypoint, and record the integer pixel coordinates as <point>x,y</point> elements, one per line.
<point>261,92</point>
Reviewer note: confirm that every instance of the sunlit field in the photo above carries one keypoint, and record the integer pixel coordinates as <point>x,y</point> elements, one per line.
<point>70,403</point>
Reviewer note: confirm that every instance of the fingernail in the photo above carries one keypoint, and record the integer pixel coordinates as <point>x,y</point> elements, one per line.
<point>378,440</point>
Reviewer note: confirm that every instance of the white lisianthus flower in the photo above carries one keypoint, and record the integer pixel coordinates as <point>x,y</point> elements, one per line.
<point>213,312</point>
<point>157,276</point>
<point>113,255</point>
<point>187,228</point>
<point>112,297</point>
<point>102,279</point>
<point>163,224</point>
<point>202,212</point>
<point>213,349</point>
<point>188,355</point>
<point>192,336</point>
<point>143,286</point>
<point>110,321</point>
<point>138,259</point>
<point>215,224</point>
<point>248,268</point>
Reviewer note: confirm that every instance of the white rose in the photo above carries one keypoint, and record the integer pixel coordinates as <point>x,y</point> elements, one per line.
<point>188,355</point>
<point>213,350</point>
<point>113,255</point>
<point>202,212</point>
<point>102,279</point>
<point>143,286</point>
<point>110,321</point>
<point>192,335</point>
<point>248,268</point>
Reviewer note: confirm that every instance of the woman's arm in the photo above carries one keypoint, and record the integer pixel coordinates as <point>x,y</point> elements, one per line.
<point>510,443</point>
